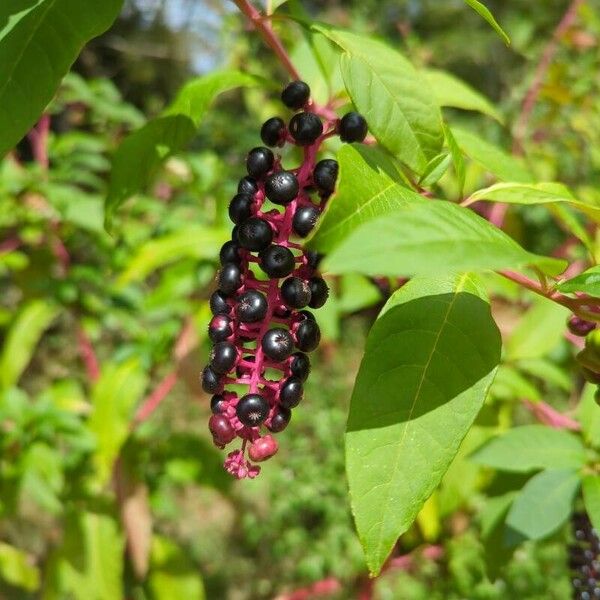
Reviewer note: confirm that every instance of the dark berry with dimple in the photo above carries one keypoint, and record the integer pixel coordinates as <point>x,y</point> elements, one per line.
<point>220,328</point>
<point>217,404</point>
<point>252,410</point>
<point>272,132</point>
<point>251,306</point>
<point>247,185</point>
<point>218,303</point>
<point>580,327</point>
<point>255,234</point>
<point>325,175</point>
<point>221,430</point>
<point>313,258</point>
<point>277,344</point>
<point>230,253</point>
<point>282,187</point>
<point>295,292</point>
<point>230,278</point>
<point>308,336</point>
<point>280,419</point>
<point>295,95</point>
<point>319,292</point>
<point>240,208</point>
<point>305,218</point>
<point>305,128</point>
<point>277,261</point>
<point>259,161</point>
<point>353,127</point>
<point>300,365</point>
<point>211,380</point>
<point>291,392</point>
<point>223,357</point>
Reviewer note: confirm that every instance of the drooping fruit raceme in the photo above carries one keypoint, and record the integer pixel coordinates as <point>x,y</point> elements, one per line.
<point>261,328</point>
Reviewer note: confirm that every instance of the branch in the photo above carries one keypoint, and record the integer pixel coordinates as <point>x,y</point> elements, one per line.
<point>152,402</point>
<point>547,415</point>
<point>38,138</point>
<point>88,355</point>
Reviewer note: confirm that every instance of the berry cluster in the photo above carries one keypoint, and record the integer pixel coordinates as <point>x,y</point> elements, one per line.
<point>261,329</point>
<point>589,357</point>
<point>584,559</point>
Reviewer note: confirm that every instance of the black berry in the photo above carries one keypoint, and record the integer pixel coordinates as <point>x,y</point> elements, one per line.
<point>235,234</point>
<point>277,261</point>
<point>252,307</point>
<point>272,131</point>
<point>282,187</point>
<point>220,328</point>
<point>308,335</point>
<point>305,218</point>
<point>305,128</point>
<point>218,303</point>
<point>240,207</point>
<point>325,175</point>
<point>300,365</point>
<point>353,127</point>
<point>217,404</point>
<point>319,292</point>
<point>247,185</point>
<point>211,380</point>
<point>291,392</point>
<point>223,357</point>
<point>280,419</point>
<point>255,234</point>
<point>580,327</point>
<point>230,278</point>
<point>252,410</point>
<point>295,292</point>
<point>313,258</point>
<point>295,95</point>
<point>230,253</point>
<point>259,161</point>
<point>277,344</point>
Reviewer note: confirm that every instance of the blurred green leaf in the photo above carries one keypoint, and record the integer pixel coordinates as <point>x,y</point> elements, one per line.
<point>547,371</point>
<point>591,499</point>
<point>457,159</point>
<point>588,414</point>
<point>482,10</point>
<point>17,568</point>
<point>588,282</point>
<point>413,404</point>
<point>435,169</point>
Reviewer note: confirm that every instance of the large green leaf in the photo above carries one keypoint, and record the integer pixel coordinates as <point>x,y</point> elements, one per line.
<point>39,41</point>
<point>428,363</point>
<point>544,503</point>
<point>484,11</point>
<point>588,414</point>
<point>591,498</point>
<point>141,153</point>
<point>113,400</point>
<point>394,97</point>
<point>428,238</point>
<point>22,338</point>
<point>16,568</point>
<point>451,91</point>
<point>368,187</point>
<point>530,448</point>
<point>588,282</point>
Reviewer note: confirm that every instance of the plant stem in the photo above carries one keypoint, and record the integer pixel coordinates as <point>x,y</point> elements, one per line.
<point>263,26</point>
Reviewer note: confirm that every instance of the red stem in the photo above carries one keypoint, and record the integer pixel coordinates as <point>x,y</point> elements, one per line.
<point>38,137</point>
<point>152,402</point>
<point>86,351</point>
<point>547,415</point>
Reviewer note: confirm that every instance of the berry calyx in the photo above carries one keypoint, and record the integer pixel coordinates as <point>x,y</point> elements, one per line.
<point>252,410</point>
<point>220,328</point>
<point>240,208</point>
<point>255,234</point>
<point>223,357</point>
<point>305,219</point>
<point>282,187</point>
<point>319,292</point>
<point>252,307</point>
<point>230,278</point>
<point>221,430</point>
<point>295,95</point>
<point>273,131</point>
<point>295,292</point>
<point>277,344</point>
<point>353,127</point>
<point>277,261</point>
<point>259,161</point>
<point>263,448</point>
<point>305,128</point>
<point>291,392</point>
<point>308,336</point>
<point>325,175</point>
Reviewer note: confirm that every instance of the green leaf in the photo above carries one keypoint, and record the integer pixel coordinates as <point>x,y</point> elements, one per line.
<point>544,504</point>
<point>588,282</point>
<point>113,399</point>
<point>89,562</point>
<point>591,499</point>
<point>16,568</point>
<point>392,95</point>
<point>547,371</point>
<point>39,41</point>
<point>435,169</point>
<point>482,10</point>
<point>538,193</point>
<point>490,157</point>
<point>141,153</point>
<point>22,338</point>
<point>532,447</point>
<point>511,385</point>
<point>368,187</point>
<point>588,414</point>
<point>451,91</point>
<point>193,241</point>
<point>428,363</point>
<point>428,238</point>
<point>457,159</point>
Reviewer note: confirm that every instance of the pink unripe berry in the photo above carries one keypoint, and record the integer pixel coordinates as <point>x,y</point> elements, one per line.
<point>263,448</point>
<point>221,430</point>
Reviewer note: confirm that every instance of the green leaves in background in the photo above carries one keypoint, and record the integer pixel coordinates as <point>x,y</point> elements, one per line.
<point>591,498</point>
<point>544,503</point>
<point>482,10</point>
<point>588,415</point>
<point>22,338</point>
<point>113,399</point>
<point>393,96</point>
<point>429,360</point>
<point>39,41</point>
<point>16,568</point>
<point>141,153</point>
<point>588,282</point>
<point>532,447</point>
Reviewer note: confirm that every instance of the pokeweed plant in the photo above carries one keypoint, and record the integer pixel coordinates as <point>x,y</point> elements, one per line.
<point>396,208</point>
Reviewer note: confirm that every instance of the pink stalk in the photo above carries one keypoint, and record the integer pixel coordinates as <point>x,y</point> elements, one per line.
<point>547,415</point>
<point>152,402</point>
<point>86,351</point>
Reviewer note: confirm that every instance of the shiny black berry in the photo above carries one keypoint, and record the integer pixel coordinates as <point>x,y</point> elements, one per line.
<point>295,292</point>
<point>300,365</point>
<point>313,258</point>
<point>302,315</point>
<point>240,208</point>
<point>308,335</point>
<point>280,419</point>
<point>272,132</point>
<point>218,303</point>
<point>235,234</point>
<point>282,187</point>
<point>230,253</point>
<point>319,292</point>
<point>217,404</point>
<point>211,380</point>
<point>247,185</point>
<point>230,278</point>
<point>259,161</point>
<point>353,127</point>
<point>252,410</point>
<point>305,218</point>
<point>305,128</point>
<point>252,306</point>
<point>295,95</point>
<point>277,261</point>
<point>325,175</point>
<point>220,328</point>
<point>291,392</point>
<point>255,234</point>
<point>277,344</point>
<point>223,357</point>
